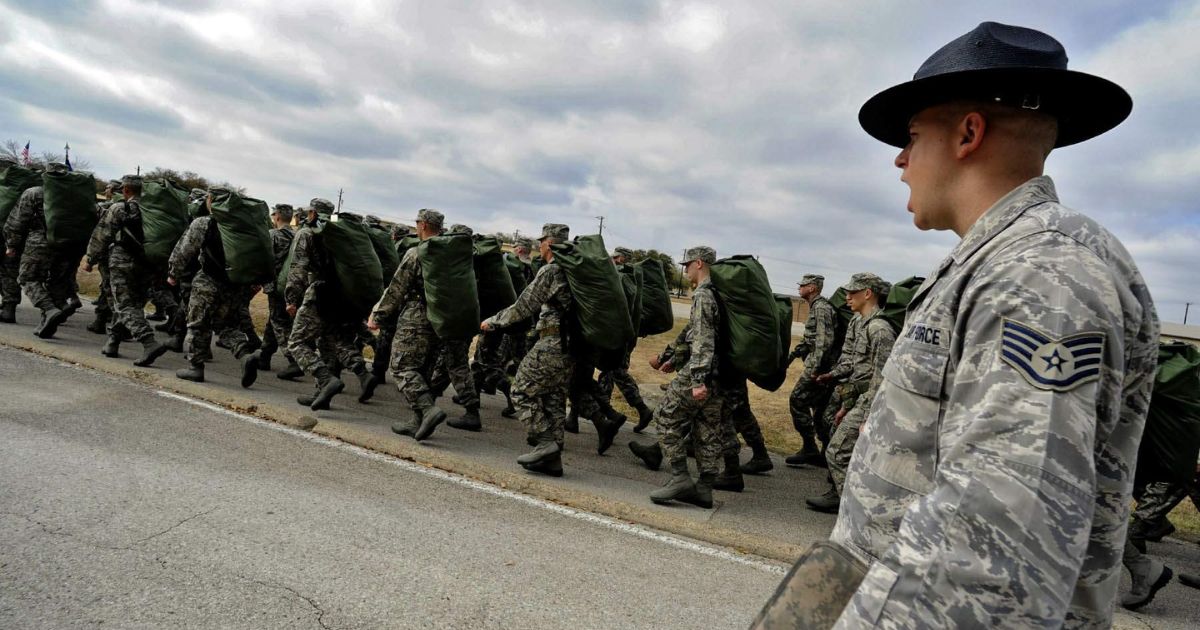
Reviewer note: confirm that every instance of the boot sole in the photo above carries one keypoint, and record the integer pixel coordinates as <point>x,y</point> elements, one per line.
<point>51,326</point>
<point>475,428</point>
<point>429,425</point>
<point>369,390</point>
<point>607,435</point>
<point>536,467</point>
<point>152,357</point>
<point>249,374</point>
<point>322,400</point>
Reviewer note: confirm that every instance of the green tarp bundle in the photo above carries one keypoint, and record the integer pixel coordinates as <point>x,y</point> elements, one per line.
<point>750,337</point>
<point>633,282</point>
<point>897,301</point>
<point>69,200</point>
<point>15,180</point>
<point>347,243</point>
<point>601,310</point>
<point>451,296</point>
<point>164,206</point>
<point>245,239</point>
<point>493,282</point>
<point>657,315</point>
<point>385,251</point>
<point>516,273</point>
<point>1171,440</point>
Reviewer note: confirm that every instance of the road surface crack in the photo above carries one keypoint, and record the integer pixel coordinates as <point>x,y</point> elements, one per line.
<point>194,516</point>
<point>311,602</point>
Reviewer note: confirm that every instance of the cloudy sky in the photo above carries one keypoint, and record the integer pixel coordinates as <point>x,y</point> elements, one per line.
<point>732,124</point>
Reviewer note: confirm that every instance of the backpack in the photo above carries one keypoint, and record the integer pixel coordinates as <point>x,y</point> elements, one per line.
<point>15,180</point>
<point>1171,440</point>
<point>657,316</point>
<point>493,282</point>
<point>451,293</point>
<point>601,309</point>
<point>69,200</point>
<point>245,240</point>
<point>751,331</point>
<point>164,210</point>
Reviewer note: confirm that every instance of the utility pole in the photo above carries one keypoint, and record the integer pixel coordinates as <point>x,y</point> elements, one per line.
<point>1186,306</point>
<point>601,225</point>
<point>139,170</point>
<point>339,208</point>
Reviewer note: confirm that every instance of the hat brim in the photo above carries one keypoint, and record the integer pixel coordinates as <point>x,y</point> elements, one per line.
<point>1085,105</point>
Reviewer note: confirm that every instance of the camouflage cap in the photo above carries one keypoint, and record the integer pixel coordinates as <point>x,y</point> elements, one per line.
<point>703,253</point>
<point>372,220</point>
<point>431,217</point>
<point>131,180</point>
<point>463,229</point>
<point>812,278</point>
<point>557,231</point>
<point>400,231</point>
<point>623,251</point>
<point>284,210</point>
<point>321,206</point>
<point>865,280</point>
<point>527,243</point>
<point>56,167</point>
<point>197,193</point>
<point>114,183</point>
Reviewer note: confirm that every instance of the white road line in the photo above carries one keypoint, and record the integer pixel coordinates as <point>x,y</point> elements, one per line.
<point>595,519</point>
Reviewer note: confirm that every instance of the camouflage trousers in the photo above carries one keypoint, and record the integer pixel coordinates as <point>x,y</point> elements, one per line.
<point>488,366</point>
<point>842,395</point>
<point>840,448</point>
<point>130,290</point>
<point>279,326</point>
<point>738,418</point>
<point>1157,499</point>
<point>806,403</point>
<point>620,379</point>
<point>540,389</point>
<point>316,341</point>
<point>587,399</point>
<point>414,351</point>
<point>680,416</point>
<point>10,268</point>
<point>162,295</point>
<point>46,274</point>
<point>213,305</point>
<point>104,301</point>
<point>513,349</point>
<point>452,367</point>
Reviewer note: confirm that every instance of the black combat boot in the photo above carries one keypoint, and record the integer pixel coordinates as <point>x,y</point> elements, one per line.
<point>702,495</point>
<point>291,372</point>
<point>679,487</point>
<point>8,314</point>
<point>759,462</point>
<point>151,350</point>
<point>828,502</point>
<point>328,386</point>
<point>249,369</point>
<point>607,430</point>
<point>504,387</point>
<point>51,318</point>
<point>175,342</point>
<point>808,455</point>
<point>544,458</point>
<point>111,347</point>
<point>551,465</point>
<point>408,427</point>
<point>650,454</point>
<point>99,325</point>
<point>571,424</point>
<point>367,383</point>
<point>469,421</point>
<point>730,479</point>
<point>73,305</point>
<point>194,373</point>
<point>264,360</point>
<point>645,416</point>
<point>431,417</point>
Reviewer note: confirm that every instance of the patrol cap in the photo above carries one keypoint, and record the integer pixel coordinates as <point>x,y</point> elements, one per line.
<point>114,183</point>
<point>865,280</point>
<point>812,278</point>
<point>527,243</point>
<point>463,229</point>
<point>372,220</point>
<point>431,217</point>
<point>196,193</point>
<point>134,181</point>
<point>57,168</point>
<point>703,253</point>
<point>284,210</point>
<point>400,231</point>
<point>623,251</point>
<point>321,206</point>
<point>557,231</point>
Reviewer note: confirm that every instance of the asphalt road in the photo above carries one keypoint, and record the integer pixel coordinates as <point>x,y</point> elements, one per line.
<point>123,507</point>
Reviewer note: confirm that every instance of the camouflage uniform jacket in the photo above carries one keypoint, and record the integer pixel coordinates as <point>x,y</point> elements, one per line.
<point>878,339</point>
<point>549,292</point>
<point>404,297</point>
<point>281,243</point>
<point>310,263</point>
<point>189,248</point>
<point>701,337</point>
<point>850,365</point>
<point>120,226</point>
<point>991,484</point>
<point>817,345</point>
<point>26,218</point>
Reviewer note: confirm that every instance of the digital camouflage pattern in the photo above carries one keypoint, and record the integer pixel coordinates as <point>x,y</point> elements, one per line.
<point>114,240</point>
<point>679,415</point>
<point>414,347</point>
<point>453,366</point>
<point>874,341</point>
<point>814,592</point>
<point>809,398</point>
<point>1157,499</point>
<point>313,338</point>
<point>212,304</point>
<point>279,323</point>
<point>987,495</point>
<point>737,418</point>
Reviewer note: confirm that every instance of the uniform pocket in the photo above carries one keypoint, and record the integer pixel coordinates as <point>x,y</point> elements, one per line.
<point>918,368</point>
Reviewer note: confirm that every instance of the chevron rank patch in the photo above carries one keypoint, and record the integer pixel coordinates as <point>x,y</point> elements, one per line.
<point>1053,364</point>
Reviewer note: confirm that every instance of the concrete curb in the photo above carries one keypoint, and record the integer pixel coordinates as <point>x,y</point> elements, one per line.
<point>450,462</point>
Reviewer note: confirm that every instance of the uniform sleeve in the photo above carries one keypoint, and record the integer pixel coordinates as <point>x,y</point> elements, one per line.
<point>702,341</point>
<point>678,347</point>
<point>822,341</point>
<point>388,308</point>
<point>102,237</point>
<point>845,364</point>
<point>302,260</point>
<point>1007,523</point>
<point>536,293</point>
<point>20,220</point>
<point>880,339</point>
<point>187,250</point>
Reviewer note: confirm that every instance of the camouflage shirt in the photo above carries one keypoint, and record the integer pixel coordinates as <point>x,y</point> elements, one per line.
<point>991,484</point>
<point>26,217</point>
<point>852,363</point>
<point>819,331</point>
<point>187,251</point>
<point>309,263</point>
<point>878,339</point>
<point>118,224</point>
<point>281,245</point>
<point>404,296</point>
<point>548,292</point>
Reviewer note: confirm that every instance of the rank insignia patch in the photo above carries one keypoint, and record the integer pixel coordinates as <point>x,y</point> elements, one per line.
<point>1053,364</point>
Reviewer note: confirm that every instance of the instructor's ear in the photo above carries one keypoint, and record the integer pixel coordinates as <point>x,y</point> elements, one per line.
<point>971,130</point>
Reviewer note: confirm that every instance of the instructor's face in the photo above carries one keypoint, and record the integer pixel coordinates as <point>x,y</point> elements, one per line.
<point>928,164</point>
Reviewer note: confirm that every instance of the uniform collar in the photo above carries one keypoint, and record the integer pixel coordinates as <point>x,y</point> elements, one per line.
<point>1036,191</point>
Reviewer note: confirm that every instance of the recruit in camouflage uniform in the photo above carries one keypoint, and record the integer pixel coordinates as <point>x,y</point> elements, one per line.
<point>619,377</point>
<point>453,366</point>
<point>279,323</point>
<point>103,302</point>
<point>691,408</point>
<point>118,240</point>
<point>414,347</point>
<point>25,237</point>
<point>808,398</point>
<point>848,380</point>
<point>10,287</point>
<point>212,300</point>
<point>873,343</point>
<point>540,388</point>
<point>316,335</point>
<point>737,418</point>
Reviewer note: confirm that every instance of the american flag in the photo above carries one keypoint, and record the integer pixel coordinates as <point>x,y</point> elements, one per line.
<point>25,154</point>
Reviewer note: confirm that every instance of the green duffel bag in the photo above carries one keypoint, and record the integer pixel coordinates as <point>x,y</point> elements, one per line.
<point>385,251</point>
<point>405,244</point>
<point>1171,440</point>
<point>896,305</point>
<point>348,245</point>
<point>493,282</point>
<point>245,239</point>
<point>451,294</point>
<point>164,206</point>
<point>601,311</point>
<point>516,272</point>
<point>69,200</point>
<point>15,180</point>
<point>633,283</point>
<point>657,315</point>
<point>282,278</point>
<point>783,307</point>
<point>750,318</point>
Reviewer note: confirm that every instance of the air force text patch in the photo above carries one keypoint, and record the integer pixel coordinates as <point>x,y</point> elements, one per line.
<point>1054,364</point>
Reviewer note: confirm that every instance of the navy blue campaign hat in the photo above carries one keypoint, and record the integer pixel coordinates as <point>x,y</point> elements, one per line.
<point>1009,65</point>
